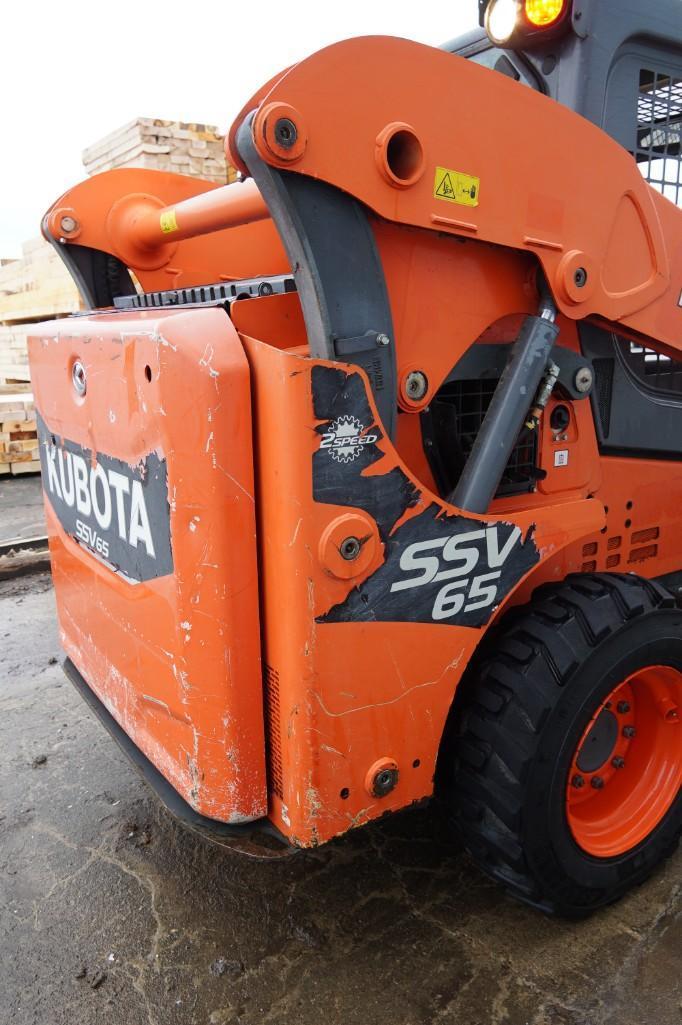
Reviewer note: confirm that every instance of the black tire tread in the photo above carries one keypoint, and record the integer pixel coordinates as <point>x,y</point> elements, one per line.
<point>512,689</point>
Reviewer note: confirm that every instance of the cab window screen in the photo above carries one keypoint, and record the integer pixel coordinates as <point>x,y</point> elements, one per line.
<point>659,128</point>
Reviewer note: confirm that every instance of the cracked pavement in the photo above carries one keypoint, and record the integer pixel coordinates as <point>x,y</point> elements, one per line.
<point>112,912</point>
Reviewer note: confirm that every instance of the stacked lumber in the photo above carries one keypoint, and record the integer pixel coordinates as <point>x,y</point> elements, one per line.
<point>18,434</point>
<point>37,286</point>
<point>191,149</point>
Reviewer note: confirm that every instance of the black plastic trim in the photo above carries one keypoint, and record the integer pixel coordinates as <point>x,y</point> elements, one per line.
<point>338,272</point>
<point>259,838</point>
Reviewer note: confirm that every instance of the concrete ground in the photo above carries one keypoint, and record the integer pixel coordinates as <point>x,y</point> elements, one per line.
<point>21,507</point>
<point>112,913</point>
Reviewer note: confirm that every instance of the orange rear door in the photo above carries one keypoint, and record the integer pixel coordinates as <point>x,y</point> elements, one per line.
<point>145,441</point>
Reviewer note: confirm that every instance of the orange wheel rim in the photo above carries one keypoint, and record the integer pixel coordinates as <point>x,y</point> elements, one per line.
<point>627,768</point>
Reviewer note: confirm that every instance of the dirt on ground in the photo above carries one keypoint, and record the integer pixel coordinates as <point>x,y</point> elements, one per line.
<point>21,507</point>
<point>111,912</point>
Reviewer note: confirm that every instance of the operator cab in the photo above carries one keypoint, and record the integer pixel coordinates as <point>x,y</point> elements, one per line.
<point>596,59</point>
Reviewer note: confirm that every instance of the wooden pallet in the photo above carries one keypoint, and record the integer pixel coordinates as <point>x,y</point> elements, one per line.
<point>19,451</point>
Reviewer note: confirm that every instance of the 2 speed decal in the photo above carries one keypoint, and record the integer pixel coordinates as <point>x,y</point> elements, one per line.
<point>344,439</point>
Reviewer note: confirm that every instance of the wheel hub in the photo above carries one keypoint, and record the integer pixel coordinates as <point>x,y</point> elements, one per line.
<point>599,743</point>
<point>627,768</point>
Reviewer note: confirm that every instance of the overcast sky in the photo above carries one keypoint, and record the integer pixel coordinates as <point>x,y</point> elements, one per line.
<point>73,71</point>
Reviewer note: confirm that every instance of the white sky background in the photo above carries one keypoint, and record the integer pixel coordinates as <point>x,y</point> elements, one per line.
<point>74,71</point>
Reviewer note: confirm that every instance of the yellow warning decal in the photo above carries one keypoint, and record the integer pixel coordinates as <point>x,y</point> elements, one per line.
<point>168,222</point>
<point>456,187</point>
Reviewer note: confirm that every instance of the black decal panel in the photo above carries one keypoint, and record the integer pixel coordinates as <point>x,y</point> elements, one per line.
<point>117,511</point>
<point>438,567</point>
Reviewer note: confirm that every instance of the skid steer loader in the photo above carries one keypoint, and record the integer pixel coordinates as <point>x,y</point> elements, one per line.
<point>363,475</point>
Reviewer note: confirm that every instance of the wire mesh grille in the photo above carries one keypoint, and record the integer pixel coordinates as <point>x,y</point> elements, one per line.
<point>469,401</point>
<point>659,130</point>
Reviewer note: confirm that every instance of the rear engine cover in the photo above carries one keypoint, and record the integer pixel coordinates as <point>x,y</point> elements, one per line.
<point>147,462</point>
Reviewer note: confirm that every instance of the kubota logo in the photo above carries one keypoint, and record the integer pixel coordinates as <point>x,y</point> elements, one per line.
<point>117,510</point>
<point>345,438</point>
<point>105,495</point>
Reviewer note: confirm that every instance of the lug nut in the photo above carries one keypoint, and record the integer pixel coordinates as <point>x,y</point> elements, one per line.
<point>629,732</point>
<point>578,781</point>
<point>597,782</point>
<point>618,762</point>
<point>350,548</point>
<point>623,707</point>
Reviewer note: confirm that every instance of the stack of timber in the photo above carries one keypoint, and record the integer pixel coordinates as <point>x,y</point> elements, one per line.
<point>18,435</point>
<point>37,286</point>
<point>177,146</point>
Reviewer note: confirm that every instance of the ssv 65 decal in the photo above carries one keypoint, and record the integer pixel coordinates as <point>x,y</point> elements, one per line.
<point>438,568</point>
<point>457,559</point>
<point>117,511</point>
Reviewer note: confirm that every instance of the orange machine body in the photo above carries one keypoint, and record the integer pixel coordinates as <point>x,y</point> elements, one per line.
<point>274,458</point>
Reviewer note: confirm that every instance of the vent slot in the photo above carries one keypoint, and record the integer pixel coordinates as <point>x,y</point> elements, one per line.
<point>273,736</point>
<point>640,537</point>
<point>641,554</point>
<point>603,373</point>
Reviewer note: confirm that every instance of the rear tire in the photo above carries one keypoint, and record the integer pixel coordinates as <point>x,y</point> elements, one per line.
<point>526,708</point>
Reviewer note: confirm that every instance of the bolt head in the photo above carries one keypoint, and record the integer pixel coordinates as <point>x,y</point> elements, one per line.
<point>618,762</point>
<point>578,781</point>
<point>286,132</point>
<point>350,548</point>
<point>584,378</point>
<point>623,707</point>
<point>383,339</point>
<point>78,378</point>
<point>68,224</point>
<point>580,277</point>
<point>384,782</point>
<point>597,782</point>
<point>416,385</point>
<point>629,732</point>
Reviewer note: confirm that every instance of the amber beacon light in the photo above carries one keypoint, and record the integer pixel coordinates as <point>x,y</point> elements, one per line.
<point>512,22</point>
<point>543,13</point>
